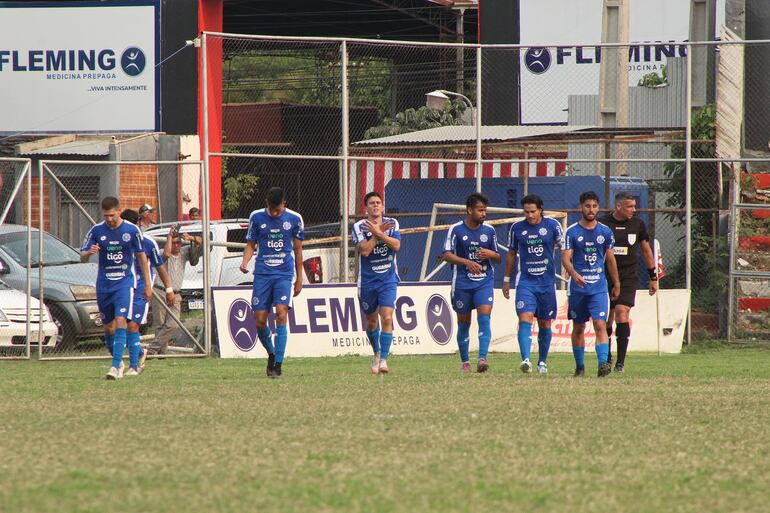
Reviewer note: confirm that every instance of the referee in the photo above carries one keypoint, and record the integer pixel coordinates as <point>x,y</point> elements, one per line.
<point>630,236</point>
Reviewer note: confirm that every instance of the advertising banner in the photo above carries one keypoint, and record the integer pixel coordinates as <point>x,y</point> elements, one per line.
<point>327,320</point>
<point>79,66</point>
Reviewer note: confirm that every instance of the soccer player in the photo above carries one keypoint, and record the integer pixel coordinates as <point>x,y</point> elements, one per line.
<point>586,248</point>
<point>534,240</point>
<point>118,244</point>
<point>141,306</point>
<point>630,236</point>
<point>278,232</point>
<point>471,248</point>
<point>377,240</point>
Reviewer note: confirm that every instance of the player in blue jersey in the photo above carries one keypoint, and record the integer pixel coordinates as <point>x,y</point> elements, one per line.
<point>275,235</point>
<point>141,306</point>
<point>534,240</point>
<point>471,248</point>
<point>377,241</point>
<point>587,247</point>
<point>119,245</point>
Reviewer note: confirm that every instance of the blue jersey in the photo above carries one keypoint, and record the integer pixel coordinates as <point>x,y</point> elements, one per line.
<point>380,267</point>
<point>465,243</point>
<point>274,238</point>
<point>154,259</point>
<point>589,251</point>
<point>116,256</point>
<point>535,246</point>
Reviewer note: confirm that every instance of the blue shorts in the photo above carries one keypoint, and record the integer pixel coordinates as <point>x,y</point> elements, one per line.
<point>376,296</point>
<point>113,304</point>
<point>465,300</point>
<point>581,307</point>
<point>540,301</point>
<point>140,308</point>
<point>271,290</point>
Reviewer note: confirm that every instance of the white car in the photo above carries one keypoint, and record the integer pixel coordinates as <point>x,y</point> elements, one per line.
<point>13,320</point>
<point>321,264</point>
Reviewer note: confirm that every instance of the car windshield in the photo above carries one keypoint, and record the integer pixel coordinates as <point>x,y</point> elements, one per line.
<point>55,252</point>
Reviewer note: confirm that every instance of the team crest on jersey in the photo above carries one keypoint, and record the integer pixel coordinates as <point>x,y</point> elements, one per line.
<point>631,239</point>
<point>600,239</point>
<point>542,231</point>
<point>286,225</point>
<point>126,237</point>
<point>484,237</point>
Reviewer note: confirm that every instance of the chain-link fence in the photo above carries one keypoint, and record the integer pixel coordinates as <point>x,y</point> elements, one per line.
<point>162,198</point>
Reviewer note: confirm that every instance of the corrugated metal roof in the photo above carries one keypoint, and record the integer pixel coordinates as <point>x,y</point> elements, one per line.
<point>92,148</point>
<point>464,134</point>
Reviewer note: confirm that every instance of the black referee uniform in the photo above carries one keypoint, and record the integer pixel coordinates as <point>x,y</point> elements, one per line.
<point>629,235</point>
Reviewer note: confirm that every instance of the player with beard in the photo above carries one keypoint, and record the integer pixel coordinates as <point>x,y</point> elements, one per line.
<point>471,248</point>
<point>587,246</point>
<point>630,236</point>
<point>377,241</point>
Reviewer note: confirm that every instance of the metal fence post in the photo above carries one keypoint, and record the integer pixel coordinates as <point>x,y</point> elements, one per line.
<point>207,310</point>
<point>478,120</point>
<point>344,272</point>
<point>688,192</point>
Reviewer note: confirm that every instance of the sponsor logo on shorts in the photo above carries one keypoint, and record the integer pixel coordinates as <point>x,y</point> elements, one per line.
<point>520,304</point>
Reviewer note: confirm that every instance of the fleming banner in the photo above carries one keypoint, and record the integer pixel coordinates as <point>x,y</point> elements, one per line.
<point>79,66</point>
<point>327,320</point>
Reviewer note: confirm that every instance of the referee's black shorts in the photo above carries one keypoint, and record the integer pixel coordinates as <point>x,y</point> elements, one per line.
<point>627,293</point>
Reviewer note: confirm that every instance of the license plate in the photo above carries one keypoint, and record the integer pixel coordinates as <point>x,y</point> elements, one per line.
<point>195,304</point>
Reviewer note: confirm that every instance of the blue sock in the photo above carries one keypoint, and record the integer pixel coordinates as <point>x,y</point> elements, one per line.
<point>543,343</point>
<point>134,348</point>
<point>386,339</point>
<point>463,340</point>
<point>485,336</point>
<point>109,339</point>
<point>266,338</point>
<point>118,347</point>
<point>281,337</point>
<point>579,353</point>
<point>374,339</point>
<point>525,339</point>
<point>602,352</point>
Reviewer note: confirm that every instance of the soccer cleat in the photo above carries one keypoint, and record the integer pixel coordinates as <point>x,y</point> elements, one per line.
<point>579,372</point>
<point>525,366</point>
<point>542,368</point>
<point>383,367</point>
<point>605,369</point>
<point>376,364</point>
<point>466,367</point>
<point>618,367</point>
<point>483,365</point>
<point>113,374</point>
<point>132,372</point>
<point>277,370</point>
<point>270,365</point>
<point>609,358</point>
<point>121,369</point>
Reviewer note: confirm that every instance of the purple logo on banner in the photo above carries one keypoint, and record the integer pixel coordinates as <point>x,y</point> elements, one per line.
<point>243,329</point>
<point>439,317</point>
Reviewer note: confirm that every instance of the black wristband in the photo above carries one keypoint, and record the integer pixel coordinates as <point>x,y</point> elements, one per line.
<point>652,273</point>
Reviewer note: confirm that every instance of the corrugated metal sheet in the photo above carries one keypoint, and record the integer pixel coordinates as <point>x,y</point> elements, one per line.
<point>92,148</point>
<point>466,134</point>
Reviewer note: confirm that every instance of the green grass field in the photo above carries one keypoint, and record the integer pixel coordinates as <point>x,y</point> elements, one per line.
<point>680,433</point>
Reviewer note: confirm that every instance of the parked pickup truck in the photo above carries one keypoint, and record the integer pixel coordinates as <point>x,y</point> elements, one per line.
<point>320,263</point>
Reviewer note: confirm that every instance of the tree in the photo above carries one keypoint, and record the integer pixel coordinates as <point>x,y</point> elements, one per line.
<point>412,120</point>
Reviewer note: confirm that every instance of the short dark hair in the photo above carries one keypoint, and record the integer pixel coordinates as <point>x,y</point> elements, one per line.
<point>373,194</point>
<point>194,210</point>
<point>110,202</point>
<point>132,216</point>
<point>532,199</point>
<point>588,195</point>
<point>623,196</point>
<point>474,198</point>
<point>275,196</point>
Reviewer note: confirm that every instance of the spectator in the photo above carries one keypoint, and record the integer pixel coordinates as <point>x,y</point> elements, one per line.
<point>146,216</point>
<point>176,257</point>
<point>195,214</point>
